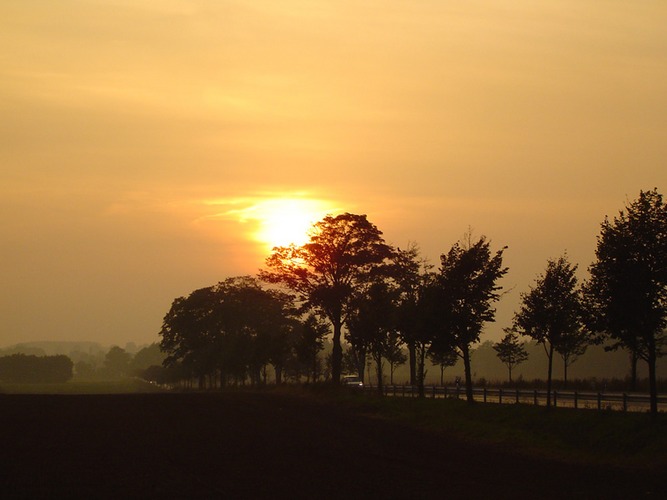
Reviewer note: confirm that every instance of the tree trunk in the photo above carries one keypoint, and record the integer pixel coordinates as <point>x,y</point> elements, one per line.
<point>633,370</point>
<point>420,372</point>
<point>550,354</point>
<point>279,374</point>
<point>653,388</point>
<point>412,352</point>
<point>360,356</point>
<point>468,373</point>
<point>564,373</point>
<point>509,367</point>
<point>336,353</point>
<point>378,365</point>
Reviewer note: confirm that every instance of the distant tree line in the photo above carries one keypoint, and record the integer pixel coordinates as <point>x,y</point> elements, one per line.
<point>118,363</point>
<point>347,281</point>
<point>31,369</point>
<point>25,367</point>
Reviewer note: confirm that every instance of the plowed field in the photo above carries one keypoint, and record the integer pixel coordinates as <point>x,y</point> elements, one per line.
<point>259,445</point>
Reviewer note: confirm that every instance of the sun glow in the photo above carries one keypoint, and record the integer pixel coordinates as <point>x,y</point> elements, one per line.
<point>280,221</point>
<point>286,221</point>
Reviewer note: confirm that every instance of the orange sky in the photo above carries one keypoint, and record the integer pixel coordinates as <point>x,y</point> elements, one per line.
<point>139,139</point>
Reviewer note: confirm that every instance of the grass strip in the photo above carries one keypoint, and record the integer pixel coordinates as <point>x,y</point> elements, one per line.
<point>586,436</point>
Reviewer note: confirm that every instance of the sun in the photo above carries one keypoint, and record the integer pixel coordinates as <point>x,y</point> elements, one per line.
<point>285,221</point>
<point>275,220</point>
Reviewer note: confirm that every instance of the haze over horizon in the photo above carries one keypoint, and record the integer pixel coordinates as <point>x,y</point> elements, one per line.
<point>146,146</point>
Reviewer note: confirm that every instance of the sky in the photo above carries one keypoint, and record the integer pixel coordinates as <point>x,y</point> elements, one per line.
<point>147,148</point>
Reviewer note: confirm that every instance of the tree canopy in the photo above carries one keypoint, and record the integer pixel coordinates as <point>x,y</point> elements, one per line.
<point>329,271</point>
<point>372,322</point>
<point>388,299</point>
<point>466,289</point>
<point>551,311</point>
<point>232,329</point>
<point>627,291</point>
<point>22,368</point>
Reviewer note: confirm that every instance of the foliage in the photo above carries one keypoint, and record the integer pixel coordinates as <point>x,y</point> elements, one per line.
<point>465,288</point>
<point>510,351</point>
<point>371,322</point>
<point>117,362</point>
<point>147,356</point>
<point>232,329</point>
<point>354,362</point>
<point>627,292</point>
<point>21,368</point>
<point>84,369</point>
<point>328,272</point>
<point>394,353</point>
<point>308,342</point>
<point>410,273</point>
<point>443,360</point>
<point>551,312</point>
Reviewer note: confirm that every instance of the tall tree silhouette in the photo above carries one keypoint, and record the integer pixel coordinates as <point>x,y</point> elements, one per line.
<point>467,287</point>
<point>627,291</point>
<point>327,273</point>
<point>411,274</point>
<point>550,312</point>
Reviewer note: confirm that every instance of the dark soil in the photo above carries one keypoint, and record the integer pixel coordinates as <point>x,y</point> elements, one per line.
<point>263,445</point>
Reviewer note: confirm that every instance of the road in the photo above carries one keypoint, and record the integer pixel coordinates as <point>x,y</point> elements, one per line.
<point>259,445</point>
<point>566,399</point>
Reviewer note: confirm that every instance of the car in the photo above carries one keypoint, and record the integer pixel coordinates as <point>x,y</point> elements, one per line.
<point>352,380</point>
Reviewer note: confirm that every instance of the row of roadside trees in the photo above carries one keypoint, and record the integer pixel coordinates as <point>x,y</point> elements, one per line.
<point>346,281</point>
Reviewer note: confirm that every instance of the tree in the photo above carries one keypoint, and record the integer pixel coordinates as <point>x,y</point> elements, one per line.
<point>466,287</point>
<point>309,342</point>
<point>627,292</point>
<point>117,361</point>
<point>571,347</point>
<point>510,351</point>
<point>550,312</point>
<point>30,369</point>
<point>147,356</point>
<point>371,322</point>
<point>410,273</point>
<point>354,362</point>
<point>233,329</point>
<point>329,271</point>
<point>394,354</point>
<point>189,332</point>
<point>427,317</point>
<point>444,360</point>
<point>84,369</point>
